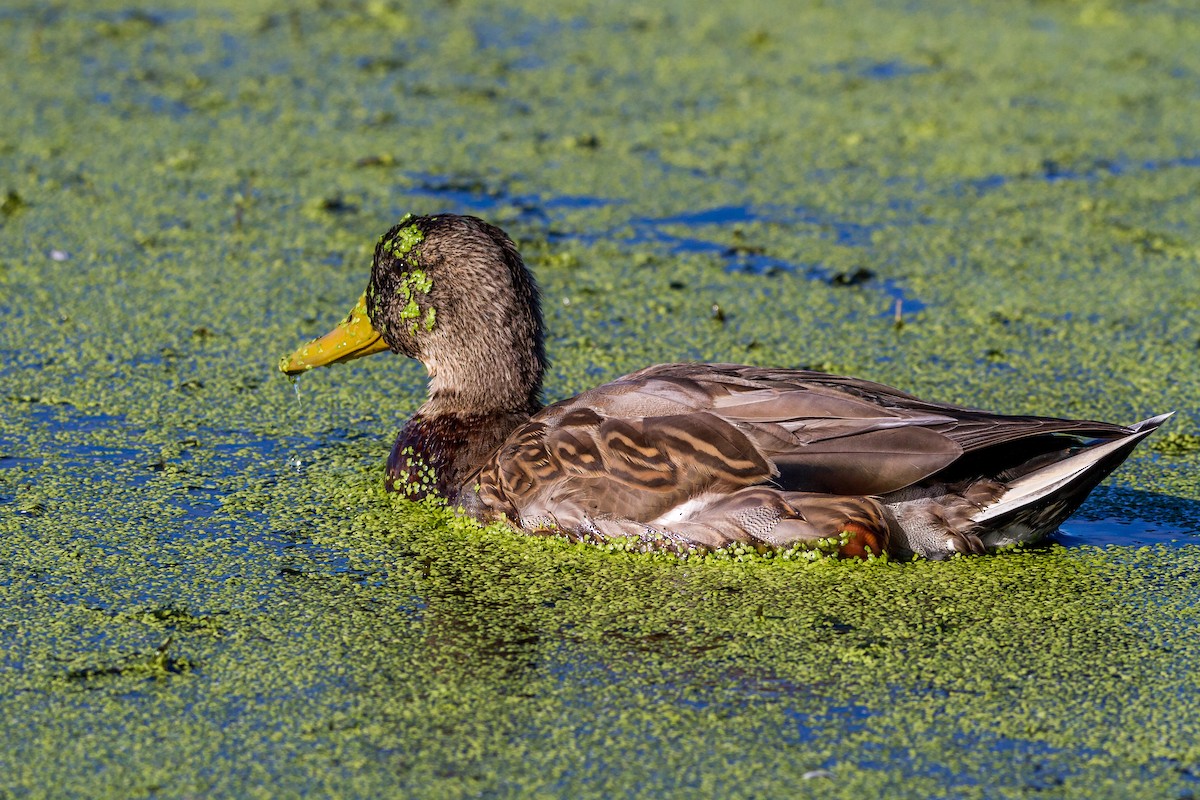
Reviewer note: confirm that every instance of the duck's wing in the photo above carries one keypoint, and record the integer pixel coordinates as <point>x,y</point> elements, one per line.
<point>852,436</point>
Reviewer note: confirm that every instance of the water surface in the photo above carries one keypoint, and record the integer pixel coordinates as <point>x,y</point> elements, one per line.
<point>208,593</point>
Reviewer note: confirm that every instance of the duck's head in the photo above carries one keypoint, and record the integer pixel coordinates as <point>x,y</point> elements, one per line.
<point>453,293</point>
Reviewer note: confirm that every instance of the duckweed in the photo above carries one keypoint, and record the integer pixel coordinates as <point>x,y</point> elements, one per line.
<point>416,282</point>
<point>208,592</point>
<point>404,240</point>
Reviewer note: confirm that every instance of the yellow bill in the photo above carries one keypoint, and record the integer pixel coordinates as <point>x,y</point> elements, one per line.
<point>354,337</point>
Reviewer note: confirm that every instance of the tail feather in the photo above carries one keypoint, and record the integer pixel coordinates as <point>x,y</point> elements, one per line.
<point>1152,423</point>
<point>1069,480</point>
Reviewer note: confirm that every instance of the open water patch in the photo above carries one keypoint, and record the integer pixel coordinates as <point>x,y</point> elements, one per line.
<point>839,230</point>
<point>465,194</point>
<point>749,258</point>
<point>1119,516</point>
<point>888,69</point>
<point>1055,171</point>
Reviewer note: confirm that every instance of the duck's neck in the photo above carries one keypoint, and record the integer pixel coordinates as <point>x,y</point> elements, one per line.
<point>467,416</point>
<point>497,386</point>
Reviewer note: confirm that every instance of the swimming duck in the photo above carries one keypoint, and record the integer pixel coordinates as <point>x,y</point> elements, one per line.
<point>690,456</point>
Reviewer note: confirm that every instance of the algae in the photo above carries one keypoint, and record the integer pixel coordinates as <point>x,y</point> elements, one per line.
<point>403,241</point>
<point>415,282</point>
<point>208,591</point>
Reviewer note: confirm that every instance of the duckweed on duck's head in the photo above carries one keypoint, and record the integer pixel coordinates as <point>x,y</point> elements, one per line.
<point>414,285</point>
<point>399,241</point>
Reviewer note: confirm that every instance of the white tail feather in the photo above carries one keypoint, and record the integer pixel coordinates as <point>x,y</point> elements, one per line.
<point>1050,479</point>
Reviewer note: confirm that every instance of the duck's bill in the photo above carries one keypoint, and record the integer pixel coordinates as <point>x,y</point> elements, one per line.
<point>352,338</point>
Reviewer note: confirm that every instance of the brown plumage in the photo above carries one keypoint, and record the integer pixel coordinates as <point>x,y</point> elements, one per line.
<point>683,456</point>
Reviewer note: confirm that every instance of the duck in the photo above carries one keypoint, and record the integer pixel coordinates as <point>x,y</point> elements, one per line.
<point>690,457</point>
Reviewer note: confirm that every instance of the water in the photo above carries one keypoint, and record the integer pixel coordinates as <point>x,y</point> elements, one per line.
<point>206,590</point>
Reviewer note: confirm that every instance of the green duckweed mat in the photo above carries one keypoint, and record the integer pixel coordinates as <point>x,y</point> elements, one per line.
<point>205,591</point>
